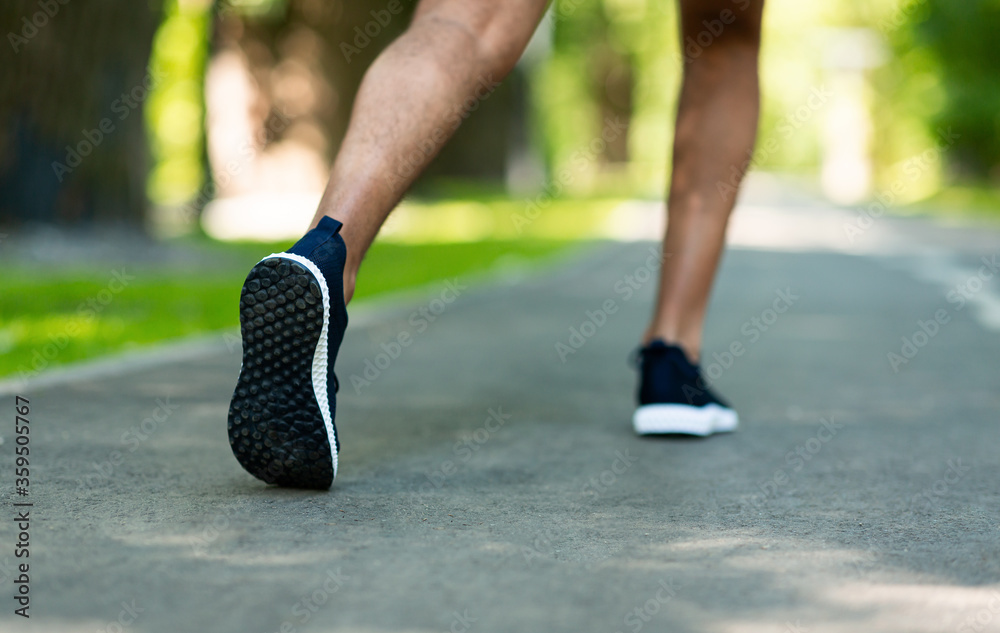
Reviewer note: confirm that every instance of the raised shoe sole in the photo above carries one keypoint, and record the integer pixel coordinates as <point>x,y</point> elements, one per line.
<point>280,425</point>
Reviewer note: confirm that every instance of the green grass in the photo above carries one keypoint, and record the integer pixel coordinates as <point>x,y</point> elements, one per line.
<point>962,201</point>
<point>53,318</point>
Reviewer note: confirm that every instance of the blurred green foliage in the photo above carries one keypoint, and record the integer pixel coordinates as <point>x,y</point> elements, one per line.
<point>939,71</point>
<point>592,40</point>
<point>950,52</point>
<point>620,59</point>
<point>175,110</point>
<point>645,34</point>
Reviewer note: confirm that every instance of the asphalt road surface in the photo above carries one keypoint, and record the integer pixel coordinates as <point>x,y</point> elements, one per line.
<point>490,481</point>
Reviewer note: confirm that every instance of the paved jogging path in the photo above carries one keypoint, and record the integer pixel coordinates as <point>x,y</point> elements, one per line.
<point>487,486</point>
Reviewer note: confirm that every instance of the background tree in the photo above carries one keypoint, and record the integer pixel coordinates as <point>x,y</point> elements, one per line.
<point>960,38</point>
<point>72,139</point>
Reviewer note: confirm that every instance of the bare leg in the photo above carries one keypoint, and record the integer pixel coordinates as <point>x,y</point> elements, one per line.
<point>716,128</point>
<point>411,101</point>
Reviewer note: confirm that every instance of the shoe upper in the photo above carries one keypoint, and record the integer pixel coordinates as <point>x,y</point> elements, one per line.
<point>667,376</point>
<point>325,247</point>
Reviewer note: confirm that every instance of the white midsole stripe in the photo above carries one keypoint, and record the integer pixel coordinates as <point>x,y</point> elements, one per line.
<point>680,418</point>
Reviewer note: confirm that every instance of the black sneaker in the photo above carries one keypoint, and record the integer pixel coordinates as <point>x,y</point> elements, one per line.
<point>292,318</point>
<point>674,398</point>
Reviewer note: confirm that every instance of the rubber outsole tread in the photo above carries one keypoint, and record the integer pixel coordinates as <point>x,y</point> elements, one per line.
<point>276,428</point>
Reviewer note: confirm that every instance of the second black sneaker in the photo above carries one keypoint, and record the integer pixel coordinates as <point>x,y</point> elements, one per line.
<point>674,397</point>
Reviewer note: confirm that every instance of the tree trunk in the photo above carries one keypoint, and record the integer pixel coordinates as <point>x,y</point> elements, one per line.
<point>72,135</point>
